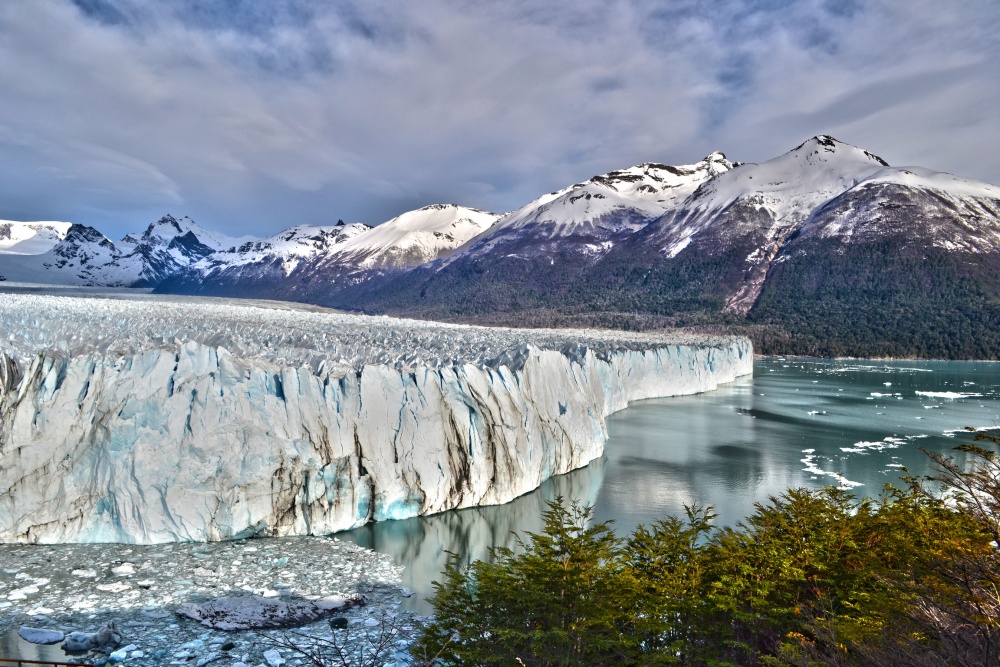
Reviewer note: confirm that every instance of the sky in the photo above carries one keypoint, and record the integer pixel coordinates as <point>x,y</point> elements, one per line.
<point>251,116</point>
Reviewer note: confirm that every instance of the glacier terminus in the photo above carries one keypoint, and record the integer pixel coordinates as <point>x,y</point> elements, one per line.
<point>148,419</point>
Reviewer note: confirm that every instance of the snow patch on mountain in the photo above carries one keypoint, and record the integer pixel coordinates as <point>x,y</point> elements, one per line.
<point>417,237</point>
<point>30,238</point>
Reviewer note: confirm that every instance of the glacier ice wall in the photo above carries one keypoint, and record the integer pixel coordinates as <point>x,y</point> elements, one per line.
<point>116,427</point>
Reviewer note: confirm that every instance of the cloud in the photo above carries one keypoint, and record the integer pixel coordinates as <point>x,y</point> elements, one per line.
<point>255,115</point>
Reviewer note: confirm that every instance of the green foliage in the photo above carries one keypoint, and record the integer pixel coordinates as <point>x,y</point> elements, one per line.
<point>554,604</point>
<point>811,578</point>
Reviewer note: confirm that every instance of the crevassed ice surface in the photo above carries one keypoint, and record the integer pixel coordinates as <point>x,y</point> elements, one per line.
<point>146,420</point>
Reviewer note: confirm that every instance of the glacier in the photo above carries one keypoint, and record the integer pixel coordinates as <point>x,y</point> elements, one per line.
<point>149,419</point>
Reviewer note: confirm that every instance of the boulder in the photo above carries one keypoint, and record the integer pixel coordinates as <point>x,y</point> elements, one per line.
<point>254,612</point>
<point>39,636</point>
<point>105,639</point>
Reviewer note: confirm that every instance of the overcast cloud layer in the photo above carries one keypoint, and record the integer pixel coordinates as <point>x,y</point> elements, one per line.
<point>251,116</point>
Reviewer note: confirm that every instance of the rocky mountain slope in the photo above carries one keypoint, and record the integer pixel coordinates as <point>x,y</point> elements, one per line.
<point>824,250</point>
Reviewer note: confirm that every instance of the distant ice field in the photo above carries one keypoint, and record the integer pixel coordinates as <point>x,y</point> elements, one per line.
<point>80,320</point>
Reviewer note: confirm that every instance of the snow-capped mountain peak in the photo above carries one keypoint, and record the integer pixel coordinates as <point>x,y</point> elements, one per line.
<point>418,236</point>
<point>167,228</point>
<point>620,200</point>
<point>285,250</point>
<point>774,196</point>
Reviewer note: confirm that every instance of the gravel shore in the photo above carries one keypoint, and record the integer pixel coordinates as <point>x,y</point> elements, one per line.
<point>82,587</point>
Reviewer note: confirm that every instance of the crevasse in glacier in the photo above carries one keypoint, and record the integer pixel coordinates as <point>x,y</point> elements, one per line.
<point>147,420</point>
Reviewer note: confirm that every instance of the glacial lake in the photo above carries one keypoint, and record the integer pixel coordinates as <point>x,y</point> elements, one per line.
<point>795,423</point>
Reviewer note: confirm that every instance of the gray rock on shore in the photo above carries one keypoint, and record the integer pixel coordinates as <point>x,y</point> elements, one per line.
<point>40,636</point>
<point>104,639</point>
<point>249,612</point>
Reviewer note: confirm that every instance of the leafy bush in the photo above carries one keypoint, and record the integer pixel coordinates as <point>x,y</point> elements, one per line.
<point>811,578</point>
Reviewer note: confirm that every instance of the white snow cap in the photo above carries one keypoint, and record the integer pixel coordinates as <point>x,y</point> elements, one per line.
<point>419,236</point>
<point>646,191</point>
<point>30,238</point>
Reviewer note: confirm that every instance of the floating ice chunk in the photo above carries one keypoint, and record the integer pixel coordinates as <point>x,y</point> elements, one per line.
<point>812,467</point>
<point>863,447</point>
<point>950,395</point>
<point>116,587</point>
<point>121,655</point>
<point>274,658</point>
<point>123,570</point>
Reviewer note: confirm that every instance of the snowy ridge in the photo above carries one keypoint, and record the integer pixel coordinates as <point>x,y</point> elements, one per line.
<point>643,192</point>
<point>82,256</point>
<point>72,254</point>
<point>330,253</point>
<point>418,236</point>
<point>283,421</point>
<point>30,238</point>
<point>286,250</point>
<point>785,189</point>
<point>931,208</point>
<point>167,246</point>
<point>166,229</point>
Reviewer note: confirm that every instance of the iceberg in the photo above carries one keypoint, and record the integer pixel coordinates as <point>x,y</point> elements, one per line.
<point>146,419</point>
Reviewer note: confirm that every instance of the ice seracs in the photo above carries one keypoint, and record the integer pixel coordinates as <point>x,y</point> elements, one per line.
<point>121,423</point>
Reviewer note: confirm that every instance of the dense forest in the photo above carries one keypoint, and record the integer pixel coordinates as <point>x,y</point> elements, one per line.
<point>888,300</point>
<point>811,578</point>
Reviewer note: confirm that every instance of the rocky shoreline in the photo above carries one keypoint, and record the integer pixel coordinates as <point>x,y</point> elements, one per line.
<point>145,590</point>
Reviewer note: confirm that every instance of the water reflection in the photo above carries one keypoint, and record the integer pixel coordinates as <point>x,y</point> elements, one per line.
<point>11,645</point>
<point>795,423</point>
<point>422,543</point>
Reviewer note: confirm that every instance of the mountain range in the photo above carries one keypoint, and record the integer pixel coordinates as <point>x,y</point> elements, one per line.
<point>824,250</point>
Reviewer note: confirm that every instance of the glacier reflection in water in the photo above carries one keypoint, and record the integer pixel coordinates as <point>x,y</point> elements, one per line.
<point>797,422</point>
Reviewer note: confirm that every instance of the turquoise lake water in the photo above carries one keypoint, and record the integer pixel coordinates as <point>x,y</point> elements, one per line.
<point>796,422</point>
